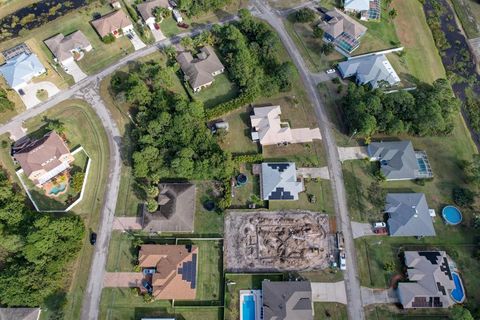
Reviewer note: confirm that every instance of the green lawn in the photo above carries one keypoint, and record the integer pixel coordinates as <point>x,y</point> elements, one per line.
<point>333,311</point>
<point>220,91</point>
<point>102,54</point>
<point>12,95</point>
<point>207,222</point>
<point>238,139</point>
<point>390,312</point>
<point>421,55</point>
<point>248,193</point>
<point>237,282</point>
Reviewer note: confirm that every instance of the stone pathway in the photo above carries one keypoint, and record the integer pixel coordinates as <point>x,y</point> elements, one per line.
<point>122,279</point>
<point>319,173</point>
<point>352,153</point>
<point>127,223</point>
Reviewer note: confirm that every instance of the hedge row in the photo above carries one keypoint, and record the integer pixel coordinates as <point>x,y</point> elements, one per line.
<point>248,158</point>
<point>229,106</point>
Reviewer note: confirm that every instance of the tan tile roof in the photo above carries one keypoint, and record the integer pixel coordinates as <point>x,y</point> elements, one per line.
<point>110,22</point>
<point>42,154</point>
<point>199,70</point>
<point>61,46</point>
<point>146,8</point>
<point>168,259</point>
<point>341,22</point>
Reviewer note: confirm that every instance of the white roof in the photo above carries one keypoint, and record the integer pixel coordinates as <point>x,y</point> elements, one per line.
<point>357,5</point>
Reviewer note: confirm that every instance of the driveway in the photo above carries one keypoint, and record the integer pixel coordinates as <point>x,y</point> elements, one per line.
<point>378,296</point>
<point>30,97</point>
<point>122,279</point>
<point>352,153</point>
<point>329,292</point>
<point>135,39</point>
<point>127,223</point>
<point>319,173</point>
<point>75,71</point>
<point>323,76</point>
<point>361,229</point>
<point>157,34</point>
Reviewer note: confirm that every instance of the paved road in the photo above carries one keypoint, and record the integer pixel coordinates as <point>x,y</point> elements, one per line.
<point>352,283</point>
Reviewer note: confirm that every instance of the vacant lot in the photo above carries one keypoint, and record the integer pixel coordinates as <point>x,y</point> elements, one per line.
<point>333,311</point>
<point>421,55</point>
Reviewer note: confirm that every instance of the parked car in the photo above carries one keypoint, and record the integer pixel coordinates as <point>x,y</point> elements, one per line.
<point>157,27</point>
<point>182,25</point>
<point>340,241</point>
<point>129,36</point>
<point>21,92</point>
<point>380,231</point>
<point>93,238</point>
<point>343,261</point>
<point>330,71</point>
<point>379,225</point>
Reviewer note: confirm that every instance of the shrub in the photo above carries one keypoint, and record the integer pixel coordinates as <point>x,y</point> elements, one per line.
<point>226,107</point>
<point>77,181</point>
<point>248,158</point>
<point>304,15</point>
<point>109,38</point>
<point>152,205</point>
<point>318,32</point>
<point>463,197</point>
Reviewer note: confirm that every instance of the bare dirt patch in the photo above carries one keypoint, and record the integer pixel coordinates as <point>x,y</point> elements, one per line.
<point>277,241</point>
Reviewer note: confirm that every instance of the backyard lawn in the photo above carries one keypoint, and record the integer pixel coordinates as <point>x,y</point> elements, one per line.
<point>13,96</point>
<point>220,91</point>
<point>207,222</point>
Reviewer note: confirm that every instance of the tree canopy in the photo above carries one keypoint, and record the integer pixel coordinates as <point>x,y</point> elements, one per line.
<point>195,7</point>
<point>427,111</point>
<point>5,103</point>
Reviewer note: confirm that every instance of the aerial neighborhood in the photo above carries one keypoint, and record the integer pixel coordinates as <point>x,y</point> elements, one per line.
<point>239,160</point>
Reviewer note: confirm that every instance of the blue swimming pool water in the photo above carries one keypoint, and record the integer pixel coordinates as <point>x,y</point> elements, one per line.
<point>452,215</point>
<point>248,308</point>
<point>422,167</point>
<point>58,188</point>
<point>457,293</point>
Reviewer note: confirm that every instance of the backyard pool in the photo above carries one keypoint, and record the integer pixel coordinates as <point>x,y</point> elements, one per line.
<point>56,189</point>
<point>248,307</point>
<point>250,304</point>
<point>452,215</point>
<point>458,295</point>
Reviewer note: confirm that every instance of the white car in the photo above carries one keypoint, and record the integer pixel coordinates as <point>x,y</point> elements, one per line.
<point>330,71</point>
<point>379,225</point>
<point>343,261</point>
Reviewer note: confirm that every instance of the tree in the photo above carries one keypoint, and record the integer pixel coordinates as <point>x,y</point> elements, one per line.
<point>389,266</point>
<point>304,15</point>
<point>109,38</point>
<point>77,181</point>
<point>5,103</point>
<point>392,14</point>
<point>161,13</point>
<point>463,197</point>
<point>327,48</point>
<point>471,170</point>
<point>318,32</point>
<point>54,125</point>
<point>187,43</point>
<point>152,205</point>
<point>461,313</point>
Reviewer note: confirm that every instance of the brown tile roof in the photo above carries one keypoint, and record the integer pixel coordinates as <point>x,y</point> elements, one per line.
<point>110,22</point>
<point>61,46</point>
<point>175,211</point>
<point>42,153</point>
<point>168,282</point>
<point>199,70</point>
<point>341,22</point>
<point>146,8</point>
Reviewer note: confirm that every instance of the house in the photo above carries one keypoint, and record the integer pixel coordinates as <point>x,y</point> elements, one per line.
<point>408,215</point>
<point>290,300</point>
<point>398,160</point>
<point>147,8</point>
<point>374,70</point>
<point>200,71</point>
<point>176,209</point>
<point>20,67</point>
<point>368,9</point>
<point>278,181</point>
<point>268,129</point>
<point>65,47</point>
<point>343,31</point>
<point>431,280</point>
<point>45,158</point>
<point>171,270</point>
<point>20,313</point>
<point>177,16</point>
<point>116,23</point>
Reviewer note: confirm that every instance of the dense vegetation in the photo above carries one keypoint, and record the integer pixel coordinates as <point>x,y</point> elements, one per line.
<point>170,136</point>
<point>195,7</point>
<point>251,51</point>
<point>35,249</point>
<point>5,104</point>
<point>426,111</point>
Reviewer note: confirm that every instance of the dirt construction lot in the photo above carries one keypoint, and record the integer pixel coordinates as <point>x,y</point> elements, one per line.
<point>277,241</point>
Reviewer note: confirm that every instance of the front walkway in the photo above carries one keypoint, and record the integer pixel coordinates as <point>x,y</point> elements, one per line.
<point>329,292</point>
<point>312,173</point>
<point>122,279</point>
<point>352,153</point>
<point>127,223</point>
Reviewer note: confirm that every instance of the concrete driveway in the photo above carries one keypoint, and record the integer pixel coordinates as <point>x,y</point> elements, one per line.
<point>122,279</point>
<point>135,39</point>
<point>157,34</point>
<point>319,173</point>
<point>352,153</point>
<point>361,229</point>
<point>30,97</point>
<point>127,223</point>
<point>329,292</point>
<point>378,296</point>
<point>75,71</point>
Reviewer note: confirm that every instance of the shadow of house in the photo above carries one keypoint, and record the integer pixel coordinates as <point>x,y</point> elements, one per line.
<point>176,208</point>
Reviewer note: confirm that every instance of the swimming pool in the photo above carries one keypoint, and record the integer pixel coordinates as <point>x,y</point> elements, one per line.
<point>58,188</point>
<point>452,215</point>
<point>422,166</point>
<point>457,294</point>
<point>248,307</point>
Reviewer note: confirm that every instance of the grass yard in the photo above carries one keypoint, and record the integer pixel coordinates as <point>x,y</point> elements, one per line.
<point>309,46</point>
<point>102,54</point>
<point>327,310</point>
<point>248,193</point>
<point>303,154</point>
<point>421,55</point>
<point>123,304</point>
<point>238,139</point>
<point>207,222</point>
<point>390,312</point>
<point>242,282</point>
<point>220,91</point>
<point>82,127</point>
<point>322,191</point>
<point>468,12</point>
<point>13,96</point>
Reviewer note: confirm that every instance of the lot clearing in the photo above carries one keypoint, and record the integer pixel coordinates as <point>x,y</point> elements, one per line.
<point>277,241</point>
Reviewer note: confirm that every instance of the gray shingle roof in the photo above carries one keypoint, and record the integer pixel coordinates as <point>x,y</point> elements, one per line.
<point>287,300</point>
<point>279,181</point>
<point>200,70</point>
<point>61,46</point>
<point>340,22</point>
<point>19,313</point>
<point>369,70</point>
<point>397,159</point>
<point>430,280</point>
<point>408,215</point>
